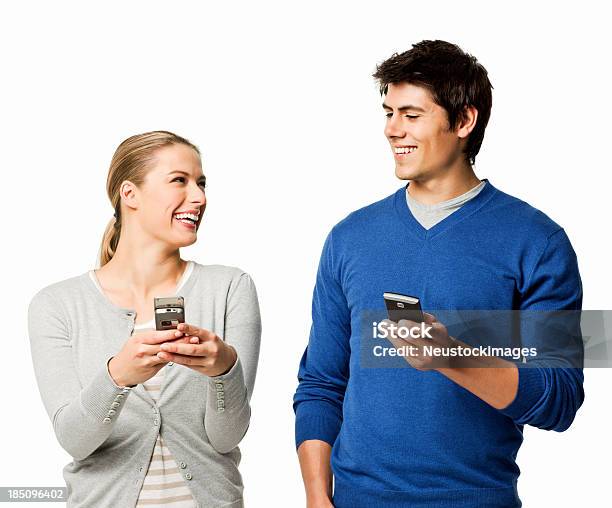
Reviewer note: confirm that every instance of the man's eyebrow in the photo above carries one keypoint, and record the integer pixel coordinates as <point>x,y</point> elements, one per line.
<point>405,108</point>
<point>201,178</point>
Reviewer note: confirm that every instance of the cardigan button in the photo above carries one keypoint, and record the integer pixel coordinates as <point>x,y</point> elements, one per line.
<point>183,465</point>
<point>188,476</point>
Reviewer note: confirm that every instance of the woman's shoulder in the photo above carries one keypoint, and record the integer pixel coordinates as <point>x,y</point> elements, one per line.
<point>219,273</point>
<point>216,270</point>
<point>55,294</point>
<point>71,285</point>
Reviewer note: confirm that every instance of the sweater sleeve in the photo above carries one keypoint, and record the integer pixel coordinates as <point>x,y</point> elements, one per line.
<point>82,416</point>
<point>324,368</point>
<point>550,385</point>
<point>228,412</point>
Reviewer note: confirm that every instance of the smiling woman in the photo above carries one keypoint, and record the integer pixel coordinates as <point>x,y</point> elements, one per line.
<point>151,418</point>
<point>153,158</point>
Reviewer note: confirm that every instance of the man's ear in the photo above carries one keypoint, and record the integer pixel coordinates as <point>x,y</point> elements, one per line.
<point>467,121</point>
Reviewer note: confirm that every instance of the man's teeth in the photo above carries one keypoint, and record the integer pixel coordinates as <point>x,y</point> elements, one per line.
<point>405,149</point>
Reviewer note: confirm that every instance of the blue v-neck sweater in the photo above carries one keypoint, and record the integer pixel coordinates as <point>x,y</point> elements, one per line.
<point>403,437</point>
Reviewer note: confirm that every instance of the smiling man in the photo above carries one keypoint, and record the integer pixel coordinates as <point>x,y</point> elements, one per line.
<point>436,434</point>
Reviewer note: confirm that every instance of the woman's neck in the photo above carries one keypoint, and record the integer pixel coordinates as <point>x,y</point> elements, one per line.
<point>142,272</point>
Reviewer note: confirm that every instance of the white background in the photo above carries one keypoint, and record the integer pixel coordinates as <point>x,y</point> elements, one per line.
<point>280,99</point>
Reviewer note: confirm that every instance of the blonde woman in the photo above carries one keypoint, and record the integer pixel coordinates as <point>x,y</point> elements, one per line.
<point>150,418</point>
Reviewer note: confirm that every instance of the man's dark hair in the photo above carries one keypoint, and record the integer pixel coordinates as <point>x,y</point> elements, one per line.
<point>454,78</point>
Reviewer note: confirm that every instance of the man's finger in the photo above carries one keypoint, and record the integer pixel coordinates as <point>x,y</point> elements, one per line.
<point>429,318</point>
<point>407,323</point>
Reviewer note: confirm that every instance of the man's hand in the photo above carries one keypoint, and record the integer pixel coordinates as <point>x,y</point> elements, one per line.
<point>417,357</point>
<point>493,380</point>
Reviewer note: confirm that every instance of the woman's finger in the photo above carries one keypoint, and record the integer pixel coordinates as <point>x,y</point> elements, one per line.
<point>182,359</point>
<point>203,334</point>
<point>183,349</point>
<point>158,336</point>
<point>143,350</point>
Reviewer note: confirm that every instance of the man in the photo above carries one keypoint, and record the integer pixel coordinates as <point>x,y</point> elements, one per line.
<point>437,434</point>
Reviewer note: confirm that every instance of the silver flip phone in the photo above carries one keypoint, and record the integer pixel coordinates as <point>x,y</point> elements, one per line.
<point>403,307</point>
<point>169,312</point>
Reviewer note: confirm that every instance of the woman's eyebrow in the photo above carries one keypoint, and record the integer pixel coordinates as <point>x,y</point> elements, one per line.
<point>201,178</point>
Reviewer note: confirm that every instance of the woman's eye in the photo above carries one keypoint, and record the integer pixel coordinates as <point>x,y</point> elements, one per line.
<point>182,180</point>
<point>412,116</point>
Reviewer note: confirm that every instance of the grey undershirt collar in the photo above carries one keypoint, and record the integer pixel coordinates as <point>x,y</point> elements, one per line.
<point>429,215</point>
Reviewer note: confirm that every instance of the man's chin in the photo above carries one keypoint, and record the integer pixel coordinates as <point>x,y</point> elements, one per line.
<point>404,173</point>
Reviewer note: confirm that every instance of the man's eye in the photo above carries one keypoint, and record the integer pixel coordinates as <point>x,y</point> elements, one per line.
<point>389,115</point>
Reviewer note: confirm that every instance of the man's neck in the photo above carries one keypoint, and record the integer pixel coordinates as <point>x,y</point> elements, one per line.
<point>430,191</point>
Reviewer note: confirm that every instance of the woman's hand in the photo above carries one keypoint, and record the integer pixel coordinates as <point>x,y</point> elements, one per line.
<point>138,361</point>
<point>205,352</point>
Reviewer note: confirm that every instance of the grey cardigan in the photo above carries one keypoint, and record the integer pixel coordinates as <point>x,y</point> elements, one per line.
<point>110,431</point>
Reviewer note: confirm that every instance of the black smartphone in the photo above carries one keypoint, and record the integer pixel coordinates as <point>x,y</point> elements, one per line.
<point>169,312</point>
<point>403,307</point>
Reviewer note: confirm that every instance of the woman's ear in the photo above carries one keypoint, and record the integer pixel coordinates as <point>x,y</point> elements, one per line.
<point>128,192</point>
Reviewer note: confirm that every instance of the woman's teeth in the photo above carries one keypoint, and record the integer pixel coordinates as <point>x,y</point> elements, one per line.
<point>187,218</point>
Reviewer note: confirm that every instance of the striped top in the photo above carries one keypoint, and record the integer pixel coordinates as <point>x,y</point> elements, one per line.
<point>163,486</point>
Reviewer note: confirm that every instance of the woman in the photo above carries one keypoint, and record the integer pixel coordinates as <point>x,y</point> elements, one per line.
<point>151,418</point>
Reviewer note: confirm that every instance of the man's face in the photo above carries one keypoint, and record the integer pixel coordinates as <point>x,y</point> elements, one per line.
<point>418,132</point>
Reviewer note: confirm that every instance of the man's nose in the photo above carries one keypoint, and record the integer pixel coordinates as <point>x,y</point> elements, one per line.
<point>393,128</point>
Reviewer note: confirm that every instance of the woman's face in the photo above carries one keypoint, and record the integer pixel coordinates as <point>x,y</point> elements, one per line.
<point>172,199</point>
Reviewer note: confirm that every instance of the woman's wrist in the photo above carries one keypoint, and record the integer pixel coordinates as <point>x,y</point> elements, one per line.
<point>117,379</point>
<point>232,357</point>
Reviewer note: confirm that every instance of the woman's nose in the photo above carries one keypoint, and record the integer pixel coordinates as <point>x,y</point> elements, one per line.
<point>198,195</point>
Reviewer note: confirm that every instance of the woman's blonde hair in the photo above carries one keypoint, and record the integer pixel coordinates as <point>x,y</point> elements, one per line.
<point>131,161</point>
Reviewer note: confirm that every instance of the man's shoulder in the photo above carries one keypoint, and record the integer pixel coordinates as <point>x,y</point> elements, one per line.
<point>522,216</point>
<point>371,215</point>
